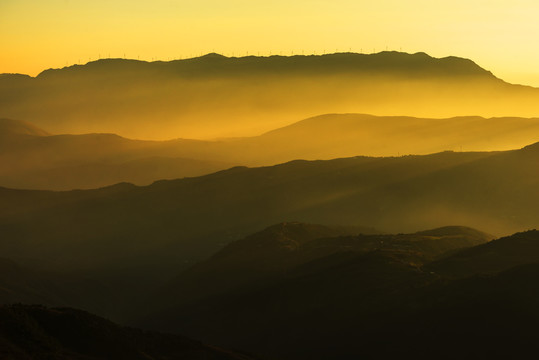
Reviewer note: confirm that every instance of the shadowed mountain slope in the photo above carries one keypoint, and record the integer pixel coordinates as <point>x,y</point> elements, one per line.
<point>370,297</point>
<point>303,298</point>
<point>260,256</point>
<point>35,332</point>
<point>215,96</point>
<point>191,218</point>
<point>270,255</point>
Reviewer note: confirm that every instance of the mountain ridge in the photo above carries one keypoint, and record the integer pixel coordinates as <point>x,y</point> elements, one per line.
<point>218,97</point>
<point>379,60</point>
<point>63,162</point>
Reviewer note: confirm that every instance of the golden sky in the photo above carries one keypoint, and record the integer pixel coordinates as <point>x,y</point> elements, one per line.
<point>499,35</point>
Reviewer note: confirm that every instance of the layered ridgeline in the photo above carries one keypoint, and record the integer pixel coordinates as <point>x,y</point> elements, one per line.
<point>217,96</point>
<point>155,226</point>
<point>35,332</point>
<point>31,158</point>
<point>366,296</point>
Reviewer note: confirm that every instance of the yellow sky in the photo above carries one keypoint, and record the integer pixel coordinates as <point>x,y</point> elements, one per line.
<point>499,35</point>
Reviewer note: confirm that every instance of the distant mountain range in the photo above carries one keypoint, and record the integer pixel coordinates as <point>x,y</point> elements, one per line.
<point>31,158</point>
<point>214,96</point>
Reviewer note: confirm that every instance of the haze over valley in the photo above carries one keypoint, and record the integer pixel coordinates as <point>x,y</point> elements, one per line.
<point>32,158</point>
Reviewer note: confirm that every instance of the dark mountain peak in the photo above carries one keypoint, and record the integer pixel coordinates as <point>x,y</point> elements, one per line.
<point>213,56</point>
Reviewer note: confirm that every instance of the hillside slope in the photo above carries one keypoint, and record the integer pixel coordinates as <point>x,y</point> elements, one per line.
<point>272,255</point>
<point>367,296</point>
<point>499,255</point>
<point>35,332</point>
<point>192,218</point>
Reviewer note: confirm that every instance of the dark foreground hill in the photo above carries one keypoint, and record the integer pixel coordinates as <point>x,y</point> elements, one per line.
<point>215,96</point>
<point>303,291</point>
<point>367,297</point>
<point>38,333</point>
<point>273,253</point>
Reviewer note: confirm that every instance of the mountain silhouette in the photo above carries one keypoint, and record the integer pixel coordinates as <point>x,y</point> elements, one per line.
<point>418,64</point>
<point>36,332</point>
<point>216,96</point>
<point>257,257</point>
<point>270,255</point>
<point>195,216</point>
